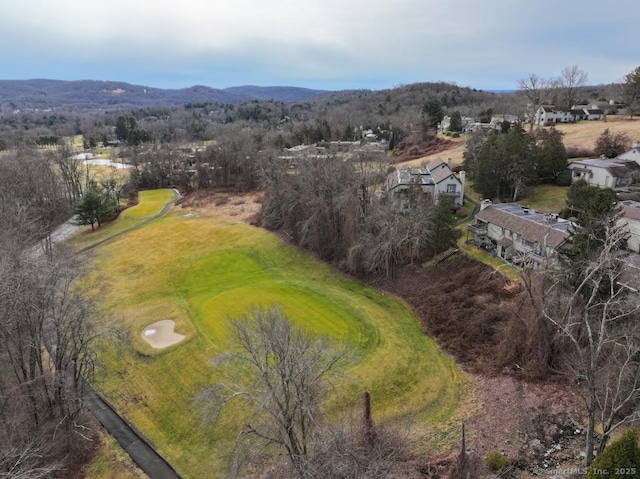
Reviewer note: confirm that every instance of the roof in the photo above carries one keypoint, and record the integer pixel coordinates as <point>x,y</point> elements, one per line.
<point>442,175</point>
<point>531,225</point>
<point>409,176</point>
<point>631,209</point>
<point>420,176</point>
<point>630,275</point>
<point>435,164</point>
<point>618,167</point>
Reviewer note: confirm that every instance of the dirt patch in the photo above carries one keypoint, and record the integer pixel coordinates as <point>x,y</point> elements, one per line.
<point>466,307</point>
<point>161,334</point>
<point>238,205</point>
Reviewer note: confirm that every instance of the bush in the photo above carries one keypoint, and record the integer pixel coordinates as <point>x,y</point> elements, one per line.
<point>496,461</point>
<point>564,179</point>
<point>621,458</point>
<point>455,135</point>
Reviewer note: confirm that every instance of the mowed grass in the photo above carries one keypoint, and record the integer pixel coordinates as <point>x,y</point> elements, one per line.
<point>149,204</point>
<point>546,198</point>
<point>197,272</point>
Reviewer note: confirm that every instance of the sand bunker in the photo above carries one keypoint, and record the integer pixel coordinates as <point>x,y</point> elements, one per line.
<point>161,334</point>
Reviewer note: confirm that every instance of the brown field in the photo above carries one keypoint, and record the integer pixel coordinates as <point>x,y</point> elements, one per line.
<point>583,134</point>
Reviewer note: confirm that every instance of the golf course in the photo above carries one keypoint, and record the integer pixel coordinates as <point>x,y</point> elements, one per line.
<point>197,271</point>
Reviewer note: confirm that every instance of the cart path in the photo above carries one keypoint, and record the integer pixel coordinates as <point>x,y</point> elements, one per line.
<point>164,211</point>
<point>139,448</point>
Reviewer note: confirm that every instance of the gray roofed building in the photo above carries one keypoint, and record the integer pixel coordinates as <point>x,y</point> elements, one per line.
<point>432,180</point>
<point>519,235</point>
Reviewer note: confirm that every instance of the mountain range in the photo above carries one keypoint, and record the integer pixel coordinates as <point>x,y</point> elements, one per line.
<point>41,93</point>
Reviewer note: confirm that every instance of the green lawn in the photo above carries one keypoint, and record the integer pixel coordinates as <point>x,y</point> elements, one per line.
<point>150,204</point>
<point>197,271</point>
<point>546,198</point>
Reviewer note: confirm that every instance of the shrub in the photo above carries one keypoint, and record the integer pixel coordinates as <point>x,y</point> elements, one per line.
<point>496,461</point>
<point>564,179</point>
<point>455,135</point>
<point>620,459</point>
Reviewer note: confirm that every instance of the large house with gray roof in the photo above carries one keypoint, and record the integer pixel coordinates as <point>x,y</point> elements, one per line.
<point>517,234</point>
<point>605,172</point>
<point>430,181</point>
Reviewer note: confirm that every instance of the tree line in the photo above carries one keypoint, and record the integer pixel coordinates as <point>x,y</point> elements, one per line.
<point>48,328</point>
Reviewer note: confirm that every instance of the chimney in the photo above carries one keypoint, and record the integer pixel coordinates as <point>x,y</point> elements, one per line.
<point>485,204</point>
<point>450,163</point>
<point>462,179</point>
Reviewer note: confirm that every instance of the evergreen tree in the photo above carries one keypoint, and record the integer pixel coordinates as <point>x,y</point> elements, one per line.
<point>551,156</point>
<point>433,110</point>
<point>94,207</point>
<point>620,459</point>
<point>442,233</point>
<point>455,124</point>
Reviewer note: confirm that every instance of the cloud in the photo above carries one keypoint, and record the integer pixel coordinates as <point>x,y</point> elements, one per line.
<point>314,42</point>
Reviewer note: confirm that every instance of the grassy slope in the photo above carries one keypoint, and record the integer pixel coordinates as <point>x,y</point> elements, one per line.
<point>197,271</point>
<point>150,203</point>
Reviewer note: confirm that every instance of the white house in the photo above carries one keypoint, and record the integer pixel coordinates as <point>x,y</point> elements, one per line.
<point>548,115</point>
<point>632,154</point>
<point>518,234</point>
<point>435,178</point>
<point>605,172</point>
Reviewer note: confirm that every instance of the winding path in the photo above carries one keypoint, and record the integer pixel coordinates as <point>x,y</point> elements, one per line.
<point>134,227</point>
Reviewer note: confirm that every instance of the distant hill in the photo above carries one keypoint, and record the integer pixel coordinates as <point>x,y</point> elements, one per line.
<point>279,93</point>
<point>42,93</point>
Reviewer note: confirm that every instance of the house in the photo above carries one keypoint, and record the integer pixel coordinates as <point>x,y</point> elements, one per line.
<point>631,218</point>
<point>632,154</point>
<point>517,234</point>
<point>605,172</point>
<point>446,123</point>
<point>549,115</point>
<point>435,178</point>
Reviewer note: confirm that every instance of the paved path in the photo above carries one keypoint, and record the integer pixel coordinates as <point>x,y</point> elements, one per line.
<point>130,439</point>
<point>134,227</point>
<point>139,448</point>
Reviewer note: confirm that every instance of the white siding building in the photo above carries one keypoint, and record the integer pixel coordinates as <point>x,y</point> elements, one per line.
<point>435,178</point>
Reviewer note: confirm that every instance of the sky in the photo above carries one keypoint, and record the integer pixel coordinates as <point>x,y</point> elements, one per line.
<point>320,44</point>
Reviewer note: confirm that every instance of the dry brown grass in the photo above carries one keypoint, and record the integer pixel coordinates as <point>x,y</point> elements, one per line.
<point>585,133</point>
<point>576,135</point>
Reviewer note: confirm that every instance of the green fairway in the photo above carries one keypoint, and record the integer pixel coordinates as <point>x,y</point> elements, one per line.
<point>197,272</point>
<point>150,204</point>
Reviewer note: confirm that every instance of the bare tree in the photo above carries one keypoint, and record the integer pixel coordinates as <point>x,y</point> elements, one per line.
<point>569,82</point>
<point>536,92</point>
<point>597,321</point>
<point>288,368</point>
<point>71,171</point>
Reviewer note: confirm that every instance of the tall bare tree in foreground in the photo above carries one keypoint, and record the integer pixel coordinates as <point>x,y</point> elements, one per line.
<point>597,321</point>
<point>287,369</point>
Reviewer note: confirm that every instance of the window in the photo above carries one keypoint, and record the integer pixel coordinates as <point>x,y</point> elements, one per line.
<point>451,188</point>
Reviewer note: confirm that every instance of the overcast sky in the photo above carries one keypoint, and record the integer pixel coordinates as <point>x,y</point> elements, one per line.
<point>325,44</point>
